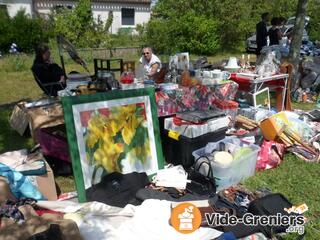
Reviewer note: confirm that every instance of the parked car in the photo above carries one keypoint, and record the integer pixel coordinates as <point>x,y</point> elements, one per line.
<point>251,43</point>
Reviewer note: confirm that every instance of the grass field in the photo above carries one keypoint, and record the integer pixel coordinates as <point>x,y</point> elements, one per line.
<point>297,180</point>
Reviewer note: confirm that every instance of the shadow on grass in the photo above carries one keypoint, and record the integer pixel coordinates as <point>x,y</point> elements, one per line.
<point>10,139</point>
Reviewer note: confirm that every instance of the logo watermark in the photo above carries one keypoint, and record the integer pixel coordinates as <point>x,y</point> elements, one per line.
<point>295,222</point>
<point>186,218</point>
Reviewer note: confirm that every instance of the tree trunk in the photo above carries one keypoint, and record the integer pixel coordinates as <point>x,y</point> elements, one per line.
<point>294,53</point>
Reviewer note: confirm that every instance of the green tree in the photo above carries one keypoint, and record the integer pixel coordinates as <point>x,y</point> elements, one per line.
<point>5,32</point>
<point>183,30</point>
<point>23,30</point>
<point>314,25</point>
<point>80,28</point>
<point>234,20</point>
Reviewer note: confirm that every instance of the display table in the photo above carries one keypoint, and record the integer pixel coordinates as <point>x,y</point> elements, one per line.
<point>199,97</point>
<point>254,84</point>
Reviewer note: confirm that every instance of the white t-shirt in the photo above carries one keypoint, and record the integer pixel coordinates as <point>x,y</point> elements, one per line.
<point>148,65</point>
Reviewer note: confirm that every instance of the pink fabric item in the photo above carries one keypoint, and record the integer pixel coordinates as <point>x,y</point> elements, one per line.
<point>270,155</point>
<point>40,212</point>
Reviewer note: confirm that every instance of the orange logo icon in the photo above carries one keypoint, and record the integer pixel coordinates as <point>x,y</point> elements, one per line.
<point>185,218</point>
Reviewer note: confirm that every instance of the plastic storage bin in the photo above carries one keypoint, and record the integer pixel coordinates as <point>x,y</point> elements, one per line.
<point>180,151</point>
<point>239,169</point>
<point>53,142</point>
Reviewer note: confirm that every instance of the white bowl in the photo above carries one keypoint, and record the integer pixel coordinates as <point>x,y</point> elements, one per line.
<point>232,69</point>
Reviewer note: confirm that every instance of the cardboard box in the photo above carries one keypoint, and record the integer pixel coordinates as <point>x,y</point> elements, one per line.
<point>19,118</point>
<point>42,117</point>
<point>35,117</point>
<point>46,184</point>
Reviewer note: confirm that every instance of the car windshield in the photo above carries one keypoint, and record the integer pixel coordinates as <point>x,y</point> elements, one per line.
<point>292,21</point>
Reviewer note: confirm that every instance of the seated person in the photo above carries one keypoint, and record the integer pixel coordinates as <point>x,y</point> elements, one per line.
<point>47,72</point>
<point>150,62</point>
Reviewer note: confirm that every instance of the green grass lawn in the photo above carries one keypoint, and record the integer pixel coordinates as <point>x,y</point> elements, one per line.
<point>296,179</point>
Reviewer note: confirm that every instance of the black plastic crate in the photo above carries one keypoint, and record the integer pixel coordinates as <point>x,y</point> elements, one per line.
<point>180,151</point>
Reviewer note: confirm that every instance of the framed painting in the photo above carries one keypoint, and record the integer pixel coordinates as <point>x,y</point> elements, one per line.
<point>113,131</point>
<point>262,99</point>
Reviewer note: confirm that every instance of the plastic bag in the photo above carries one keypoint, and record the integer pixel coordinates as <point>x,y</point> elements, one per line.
<point>268,63</point>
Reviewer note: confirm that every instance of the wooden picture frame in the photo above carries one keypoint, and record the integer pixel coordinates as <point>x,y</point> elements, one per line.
<point>113,131</point>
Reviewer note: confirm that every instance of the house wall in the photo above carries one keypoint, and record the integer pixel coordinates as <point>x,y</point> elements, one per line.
<point>142,14</point>
<point>142,11</point>
<point>13,8</point>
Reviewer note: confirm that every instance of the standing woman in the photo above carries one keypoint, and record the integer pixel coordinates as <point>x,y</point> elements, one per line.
<point>274,33</point>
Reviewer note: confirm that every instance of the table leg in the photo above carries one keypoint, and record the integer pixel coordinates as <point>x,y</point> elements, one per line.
<point>284,91</point>
<point>255,87</point>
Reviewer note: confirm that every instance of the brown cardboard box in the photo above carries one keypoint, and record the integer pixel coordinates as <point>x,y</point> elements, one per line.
<point>36,118</point>
<point>47,185</point>
<point>41,117</point>
<point>19,118</point>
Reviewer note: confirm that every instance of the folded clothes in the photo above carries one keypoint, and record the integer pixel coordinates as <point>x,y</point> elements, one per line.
<point>10,209</point>
<point>32,168</point>
<point>174,176</point>
<point>23,162</point>
<point>38,228</point>
<point>20,186</point>
<point>14,158</point>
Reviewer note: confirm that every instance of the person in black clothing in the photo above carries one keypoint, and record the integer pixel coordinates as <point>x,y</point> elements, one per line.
<point>274,32</point>
<point>47,72</point>
<point>262,32</point>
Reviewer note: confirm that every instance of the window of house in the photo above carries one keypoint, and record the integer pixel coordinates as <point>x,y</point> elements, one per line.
<point>58,8</point>
<point>127,16</point>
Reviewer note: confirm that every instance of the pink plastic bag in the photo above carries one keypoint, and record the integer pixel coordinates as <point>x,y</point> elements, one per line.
<point>270,155</point>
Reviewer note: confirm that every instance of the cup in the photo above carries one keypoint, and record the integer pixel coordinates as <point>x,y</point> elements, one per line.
<point>206,74</point>
<point>217,74</point>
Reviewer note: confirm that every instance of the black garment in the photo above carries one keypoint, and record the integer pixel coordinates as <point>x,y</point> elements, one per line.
<point>118,189</point>
<point>48,73</point>
<point>273,36</point>
<point>174,196</point>
<point>53,233</point>
<point>240,230</point>
<point>261,35</point>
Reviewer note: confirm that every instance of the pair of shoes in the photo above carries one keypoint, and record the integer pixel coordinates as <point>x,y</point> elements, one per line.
<point>262,192</point>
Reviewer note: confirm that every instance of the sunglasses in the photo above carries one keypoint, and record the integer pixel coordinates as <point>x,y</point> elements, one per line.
<point>145,53</point>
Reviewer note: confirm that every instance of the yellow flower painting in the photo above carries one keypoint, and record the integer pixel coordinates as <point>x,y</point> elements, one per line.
<point>116,138</point>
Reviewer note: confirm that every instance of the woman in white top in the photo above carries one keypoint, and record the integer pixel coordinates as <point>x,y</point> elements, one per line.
<point>150,62</point>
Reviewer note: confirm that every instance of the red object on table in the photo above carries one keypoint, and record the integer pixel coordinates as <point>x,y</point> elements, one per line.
<point>228,106</point>
<point>245,82</point>
<point>127,78</point>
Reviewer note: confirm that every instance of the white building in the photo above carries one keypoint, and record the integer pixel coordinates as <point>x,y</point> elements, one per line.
<point>126,13</point>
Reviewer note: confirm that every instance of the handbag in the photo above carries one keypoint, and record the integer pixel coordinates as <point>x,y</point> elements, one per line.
<point>201,183</point>
<point>271,204</point>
